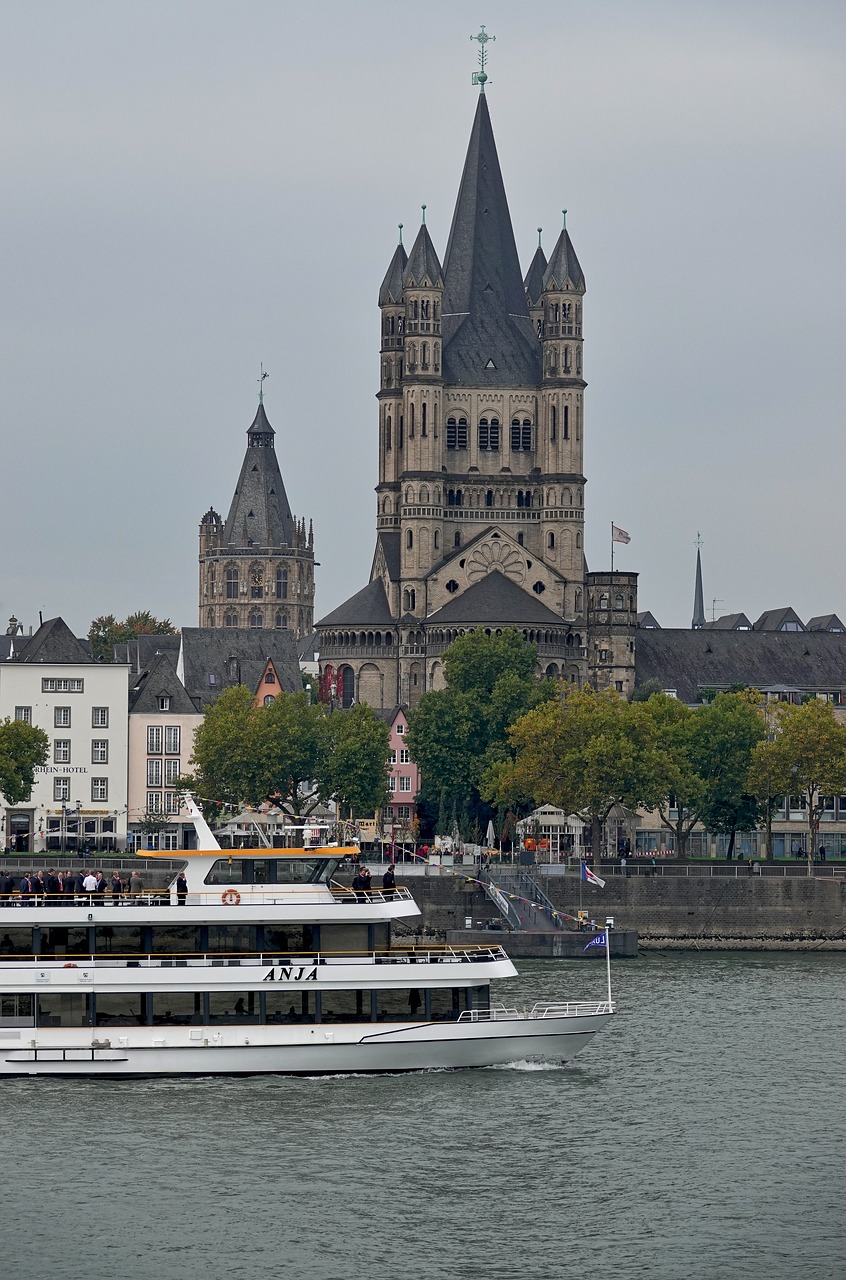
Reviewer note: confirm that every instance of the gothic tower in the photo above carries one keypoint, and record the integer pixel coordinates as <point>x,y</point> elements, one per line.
<point>480,495</point>
<point>257,566</point>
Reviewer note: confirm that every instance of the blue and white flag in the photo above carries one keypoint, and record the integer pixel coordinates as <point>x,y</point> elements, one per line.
<point>588,875</point>
<point>599,941</point>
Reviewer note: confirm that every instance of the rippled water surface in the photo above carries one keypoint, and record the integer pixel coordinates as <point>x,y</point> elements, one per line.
<point>701,1136</point>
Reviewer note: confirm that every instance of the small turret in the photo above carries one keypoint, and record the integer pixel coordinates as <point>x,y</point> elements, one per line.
<point>423,291</point>
<point>563,290</point>
<point>533,285</point>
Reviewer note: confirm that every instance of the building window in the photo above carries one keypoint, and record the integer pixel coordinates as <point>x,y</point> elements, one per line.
<point>281,584</point>
<point>553,422</point>
<point>392,783</point>
<point>489,498</point>
<point>99,788</point>
<point>231,584</point>
<point>455,497</point>
<point>281,621</point>
<point>61,789</point>
<point>392,757</point>
<point>269,678</point>
<point>489,434</point>
<point>24,713</point>
<point>154,739</point>
<point>565,423</point>
<point>404,756</point>
<point>171,802</point>
<point>409,540</point>
<point>171,772</point>
<point>256,620</point>
<point>456,433</point>
<point>269,699</point>
<point>173,734</point>
<point>550,541</point>
<point>452,586</point>
<point>61,717</point>
<point>164,702</point>
<point>50,684</point>
<point>456,539</point>
<point>405,784</point>
<point>99,717</point>
<point>521,435</point>
<point>230,620</point>
<point>154,773</point>
<point>61,751</point>
<point>154,801</point>
<point>400,729</point>
<point>100,751</point>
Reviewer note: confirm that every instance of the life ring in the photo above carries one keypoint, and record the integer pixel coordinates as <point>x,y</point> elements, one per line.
<point>230,897</point>
<point>70,965</point>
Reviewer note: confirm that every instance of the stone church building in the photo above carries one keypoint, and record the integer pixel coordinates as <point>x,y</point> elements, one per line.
<point>257,566</point>
<point>480,504</point>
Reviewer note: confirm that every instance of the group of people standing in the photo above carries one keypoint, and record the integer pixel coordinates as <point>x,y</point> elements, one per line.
<point>52,887</point>
<point>362,882</point>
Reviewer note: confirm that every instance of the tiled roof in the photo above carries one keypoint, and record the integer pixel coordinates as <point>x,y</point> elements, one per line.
<point>235,655</point>
<point>260,515</point>
<point>495,599</point>
<point>160,680</point>
<point>53,642</point>
<point>367,608</point>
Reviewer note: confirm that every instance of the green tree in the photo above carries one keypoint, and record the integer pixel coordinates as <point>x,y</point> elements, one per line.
<point>768,780</point>
<point>23,747</point>
<point>811,744</point>
<point>105,632</point>
<point>585,753</point>
<point>356,763</point>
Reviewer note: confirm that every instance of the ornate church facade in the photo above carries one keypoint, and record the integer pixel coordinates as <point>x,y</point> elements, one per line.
<point>481,491</point>
<point>257,565</point>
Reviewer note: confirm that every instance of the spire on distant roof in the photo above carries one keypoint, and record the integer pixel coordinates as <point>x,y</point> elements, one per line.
<point>533,284</point>
<point>261,383</point>
<point>260,514</point>
<point>488,336</point>
<point>698,597</point>
<point>423,264</point>
<point>564,271</point>
<point>391,290</point>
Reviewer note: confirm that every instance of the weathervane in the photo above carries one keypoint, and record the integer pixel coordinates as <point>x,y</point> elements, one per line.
<point>261,383</point>
<point>698,542</point>
<point>480,77</point>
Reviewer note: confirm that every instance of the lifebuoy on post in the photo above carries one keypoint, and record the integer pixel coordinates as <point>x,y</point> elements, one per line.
<point>230,897</point>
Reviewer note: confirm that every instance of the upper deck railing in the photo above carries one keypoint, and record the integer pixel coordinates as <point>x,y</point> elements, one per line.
<point>223,895</point>
<point>473,953</point>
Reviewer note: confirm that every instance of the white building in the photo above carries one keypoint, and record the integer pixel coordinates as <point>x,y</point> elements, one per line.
<point>80,794</point>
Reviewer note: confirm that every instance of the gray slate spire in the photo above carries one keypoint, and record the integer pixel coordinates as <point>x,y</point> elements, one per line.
<point>533,284</point>
<point>260,515</point>
<point>564,271</point>
<point>698,599</point>
<point>423,265</point>
<point>391,290</point>
<point>488,336</point>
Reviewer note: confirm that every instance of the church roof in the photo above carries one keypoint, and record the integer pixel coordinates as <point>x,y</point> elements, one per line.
<point>367,608</point>
<point>260,515</point>
<point>391,290</point>
<point>689,661</point>
<point>53,642</point>
<point>423,265</point>
<point>495,599</point>
<point>160,680</point>
<point>533,284</point>
<point>488,336</point>
<point>389,540</point>
<point>563,271</point>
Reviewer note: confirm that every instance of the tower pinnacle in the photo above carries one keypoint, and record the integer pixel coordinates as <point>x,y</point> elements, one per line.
<point>698,596</point>
<point>480,77</point>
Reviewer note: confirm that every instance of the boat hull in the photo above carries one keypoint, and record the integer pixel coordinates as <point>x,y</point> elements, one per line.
<point>324,1049</point>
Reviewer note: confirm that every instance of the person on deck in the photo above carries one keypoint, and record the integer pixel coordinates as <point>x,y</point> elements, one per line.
<point>181,889</point>
<point>389,881</point>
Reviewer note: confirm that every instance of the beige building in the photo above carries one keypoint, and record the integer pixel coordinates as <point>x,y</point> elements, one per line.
<point>480,501</point>
<point>162,723</point>
<point>257,566</point>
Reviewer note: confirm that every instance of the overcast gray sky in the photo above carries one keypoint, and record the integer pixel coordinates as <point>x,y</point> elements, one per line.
<point>192,188</point>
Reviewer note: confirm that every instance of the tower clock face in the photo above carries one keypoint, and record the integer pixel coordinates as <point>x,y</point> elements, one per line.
<point>256,577</point>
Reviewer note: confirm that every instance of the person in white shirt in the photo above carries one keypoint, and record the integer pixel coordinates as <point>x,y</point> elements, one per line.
<point>89,884</point>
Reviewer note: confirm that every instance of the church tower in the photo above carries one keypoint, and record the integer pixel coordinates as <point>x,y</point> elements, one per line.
<point>480,494</point>
<point>257,566</point>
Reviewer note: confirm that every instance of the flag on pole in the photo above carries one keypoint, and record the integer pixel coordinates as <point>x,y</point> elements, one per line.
<point>599,941</point>
<point>618,534</point>
<point>588,875</point>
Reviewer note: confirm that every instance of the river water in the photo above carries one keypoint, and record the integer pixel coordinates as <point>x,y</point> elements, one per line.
<point>700,1137</point>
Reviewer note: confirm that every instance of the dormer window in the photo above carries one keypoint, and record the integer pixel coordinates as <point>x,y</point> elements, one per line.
<point>164,702</point>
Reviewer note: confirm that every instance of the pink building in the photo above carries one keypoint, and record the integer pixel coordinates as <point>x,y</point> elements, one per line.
<point>404,778</point>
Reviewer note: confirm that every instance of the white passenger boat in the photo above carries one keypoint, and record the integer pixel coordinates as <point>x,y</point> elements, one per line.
<point>265,964</point>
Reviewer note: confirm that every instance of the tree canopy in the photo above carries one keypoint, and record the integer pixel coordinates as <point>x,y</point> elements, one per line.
<point>22,748</point>
<point>105,632</point>
<point>293,754</point>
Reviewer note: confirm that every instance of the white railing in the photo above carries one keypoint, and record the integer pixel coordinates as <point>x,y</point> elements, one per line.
<point>571,1009</point>
<point>143,960</point>
<point>496,1013</point>
<point>224,895</point>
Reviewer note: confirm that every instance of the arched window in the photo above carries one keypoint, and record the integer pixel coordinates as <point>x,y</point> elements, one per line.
<point>455,498</point>
<point>603,600</point>
<point>489,498</point>
<point>210,618</point>
<point>424,355</point>
<point>269,700</point>
<point>411,421</point>
<point>281,584</point>
<point>230,619</point>
<point>456,433</point>
<point>489,434</point>
<point>424,308</point>
<point>388,432</point>
<point>618,602</point>
<point>553,422</point>
<point>423,418</point>
<point>256,619</point>
<point>281,620</point>
<point>578,540</point>
<point>550,541</point>
<point>409,539</point>
<point>437,540</point>
<point>520,539</point>
<point>521,435</point>
<point>456,541</point>
<point>565,425</point>
<point>347,689</point>
<point>231,584</point>
<point>401,440</point>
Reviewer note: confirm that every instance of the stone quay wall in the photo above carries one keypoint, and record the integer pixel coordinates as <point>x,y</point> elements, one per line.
<point>685,912</point>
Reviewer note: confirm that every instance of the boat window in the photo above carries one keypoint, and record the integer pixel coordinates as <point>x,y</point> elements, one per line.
<point>177,1008</point>
<point>400,1005</point>
<point>65,1009</point>
<point>479,997</point>
<point>15,942</point>
<point>285,1005</point>
<point>64,942</point>
<point>381,936</point>
<point>233,1008</point>
<point>288,939</point>
<point>173,939</point>
<point>228,871</point>
<point>271,870</point>
<point>446,1003</point>
<point>232,938</point>
<point>346,1006</point>
<point>345,939</point>
<point>264,871</point>
<point>15,1011</point>
<point>119,1009</point>
<point>118,939</point>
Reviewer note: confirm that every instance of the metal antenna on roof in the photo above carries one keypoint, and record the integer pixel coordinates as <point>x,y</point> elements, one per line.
<point>261,383</point>
<point>423,207</point>
<point>480,77</point>
<point>564,216</point>
<point>399,224</point>
<point>540,231</point>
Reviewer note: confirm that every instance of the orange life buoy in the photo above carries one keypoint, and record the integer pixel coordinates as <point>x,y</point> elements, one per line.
<point>231,897</point>
<point>70,965</point>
